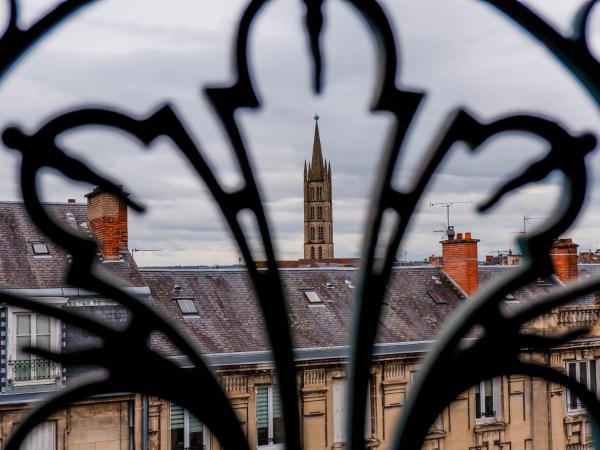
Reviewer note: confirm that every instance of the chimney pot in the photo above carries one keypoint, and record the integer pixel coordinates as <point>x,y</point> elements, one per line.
<point>468,235</point>
<point>459,236</point>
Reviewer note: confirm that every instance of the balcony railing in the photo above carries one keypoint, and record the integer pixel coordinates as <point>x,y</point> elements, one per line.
<point>586,446</point>
<point>20,370</point>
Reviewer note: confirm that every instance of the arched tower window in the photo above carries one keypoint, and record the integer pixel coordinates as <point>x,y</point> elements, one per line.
<point>312,193</point>
<point>312,253</point>
<point>318,193</point>
<point>320,252</point>
<point>320,233</point>
<point>312,213</point>
<point>312,233</point>
<point>319,212</point>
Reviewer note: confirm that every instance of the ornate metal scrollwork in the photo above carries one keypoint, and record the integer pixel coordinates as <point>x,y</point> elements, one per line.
<point>450,368</point>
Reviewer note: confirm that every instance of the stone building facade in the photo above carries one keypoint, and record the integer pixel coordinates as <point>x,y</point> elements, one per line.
<point>511,412</point>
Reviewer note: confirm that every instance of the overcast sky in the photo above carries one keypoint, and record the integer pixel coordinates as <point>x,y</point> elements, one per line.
<point>136,54</point>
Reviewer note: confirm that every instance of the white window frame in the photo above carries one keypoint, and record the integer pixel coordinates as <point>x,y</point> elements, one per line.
<point>496,401</point>
<point>55,333</point>
<point>270,425</point>
<point>186,432</point>
<point>578,407</point>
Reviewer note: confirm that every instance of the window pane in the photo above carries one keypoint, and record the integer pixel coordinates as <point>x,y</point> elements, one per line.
<point>23,341</point>
<point>488,406</point>
<point>23,324</point>
<point>177,439</point>
<point>593,382</point>
<point>43,342</point>
<point>176,417</point>
<point>42,324</point>
<point>262,415</point>
<point>583,378</point>
<point>571,399</point>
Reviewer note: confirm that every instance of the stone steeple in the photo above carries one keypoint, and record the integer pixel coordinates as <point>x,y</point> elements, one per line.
<point>318,213</point>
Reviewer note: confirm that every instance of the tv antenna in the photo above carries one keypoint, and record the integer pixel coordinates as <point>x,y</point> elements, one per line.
<point>447,205</point>
<point>527,218</point>
<point>135,250</point>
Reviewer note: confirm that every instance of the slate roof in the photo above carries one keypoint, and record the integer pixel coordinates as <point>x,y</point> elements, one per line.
<point>537,290</point>
<point>229,319</point>
<point>20,268</point>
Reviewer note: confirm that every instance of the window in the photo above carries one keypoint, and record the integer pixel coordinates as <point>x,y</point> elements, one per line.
<point>339,410</point>
<point>438,424</point>
<point>42,437</point>
<point>32,330</point>
<point>312,233</point>
<point>320,252</point>
<point>320,233</point>
<point>312,213</point>
<point>437,298</point>
<point>187,432</point>
<point>187,306</point>
<point>585,373</point>
<point>318,193</point>
<point>40,249</point>
<point>319,212</point>
<point>312,253</point>
<point>312,297</point>
<point>312,193</point>
<point>269,417</point>
<point>487,400</point>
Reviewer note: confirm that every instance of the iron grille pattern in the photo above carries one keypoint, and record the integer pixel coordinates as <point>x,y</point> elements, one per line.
<point>32,370</point>
<point>448,370</point>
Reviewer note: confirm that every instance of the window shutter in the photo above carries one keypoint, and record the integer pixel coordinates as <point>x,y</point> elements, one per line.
<point>262,414</point>
<point>176,416</point>
<point>42,437</point>
<point>339,410</point>
<point>195,424</point>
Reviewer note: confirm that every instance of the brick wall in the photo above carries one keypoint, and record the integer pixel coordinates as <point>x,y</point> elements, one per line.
<point>107,217</point>
<point>459,261</point>
<point>564,259</point>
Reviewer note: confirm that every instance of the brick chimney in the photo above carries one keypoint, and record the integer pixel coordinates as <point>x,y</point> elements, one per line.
<point>459,261</point>
<point>107,217</point>
<point>564,259</point>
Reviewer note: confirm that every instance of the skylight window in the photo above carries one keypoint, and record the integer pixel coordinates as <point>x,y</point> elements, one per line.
<point>187,306</point>
<point>312,297</point>
<point>40,249</point>
<point>437,298</point>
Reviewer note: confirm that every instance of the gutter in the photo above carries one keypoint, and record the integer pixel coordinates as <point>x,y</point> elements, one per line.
<point>68,291</point>
<point>304,354</point>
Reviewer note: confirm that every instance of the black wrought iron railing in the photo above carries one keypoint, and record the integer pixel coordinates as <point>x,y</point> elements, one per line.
<point>32,370</point>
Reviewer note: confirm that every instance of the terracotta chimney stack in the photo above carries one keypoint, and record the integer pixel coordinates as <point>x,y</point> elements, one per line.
<point>459,261</point>
<point>107,217</point>
<point>564,259</point>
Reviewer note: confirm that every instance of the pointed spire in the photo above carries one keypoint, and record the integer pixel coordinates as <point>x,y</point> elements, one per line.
<point>305,172</point>
<point>317,169</point>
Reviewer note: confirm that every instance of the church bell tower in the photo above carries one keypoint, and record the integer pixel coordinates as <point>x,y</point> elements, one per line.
<point>318,223</point>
